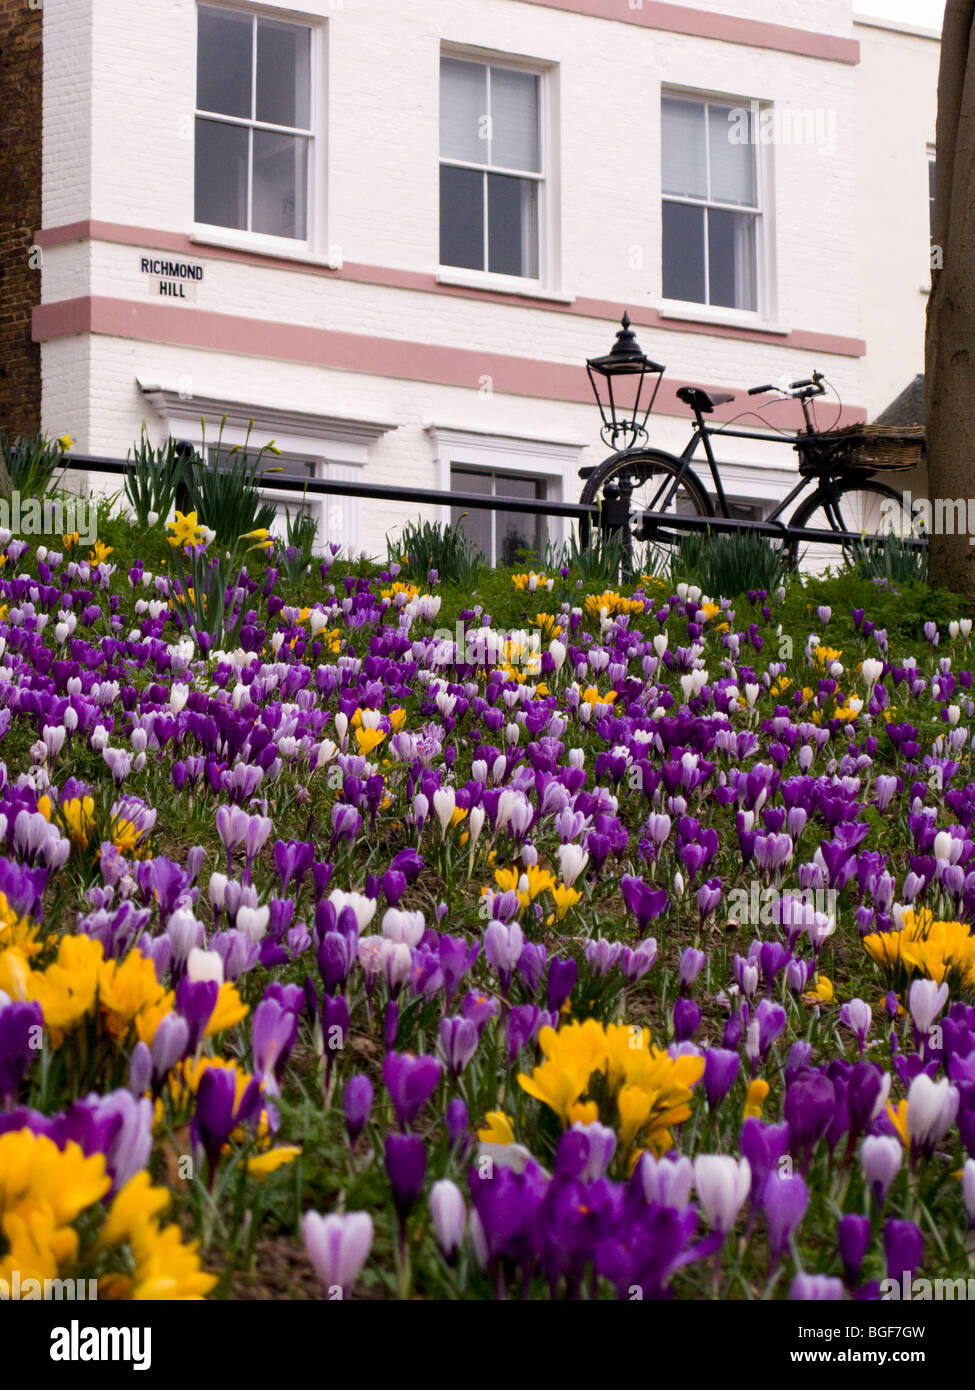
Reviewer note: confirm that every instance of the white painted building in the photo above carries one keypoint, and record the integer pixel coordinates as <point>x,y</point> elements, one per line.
<point>392,231</point>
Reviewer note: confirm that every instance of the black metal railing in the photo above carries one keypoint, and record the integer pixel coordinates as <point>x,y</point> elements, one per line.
<point>612,515</point>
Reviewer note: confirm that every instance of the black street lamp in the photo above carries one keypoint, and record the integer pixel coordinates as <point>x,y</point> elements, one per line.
<point>626,359</point>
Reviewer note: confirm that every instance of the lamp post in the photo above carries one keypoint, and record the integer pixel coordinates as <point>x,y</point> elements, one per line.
<point>623,427</point>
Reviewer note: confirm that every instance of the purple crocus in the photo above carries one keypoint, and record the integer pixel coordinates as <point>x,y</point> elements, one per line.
<point>687,1019</point>
<point>410,1081</point>
<point>644,901</point>
<point>784,1201</point>
<point>406,1166</point>
<point>21,1031</point>
<point>721,1069</point>
<point>458,1043</point>
<point>218,1113</point>
<point>903,1248</point>
<point>357,1104</point>
<point>852,1240</point>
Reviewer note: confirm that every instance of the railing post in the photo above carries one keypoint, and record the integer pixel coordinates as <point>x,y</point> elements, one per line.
<point>614,521</point>
<point>184,452</point>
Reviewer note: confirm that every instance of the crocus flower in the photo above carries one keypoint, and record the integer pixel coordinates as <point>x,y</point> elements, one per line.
<point>406,1165</point>
<point>880,1159</point>
<point>338,1247</point>
<point>357,1104</point>
<point>457,1123</point>
<point>925,1000</point>
<point>857,1016</point>
<point>784,1201</point>
<point>21,1029</point>
<point>410,1081</point>
<point>449,1213</point>
<point>458,1043</point>
<point>931,1110</point>
<point>720,1072</point>
<point>722,1185</point>
<point>692,962</point>
<point>503,945</point>
<point>808,1109</point>
<point>903,1248</point>
<point>816,1287</point>
<point>852,1239</point>
<point>218,1112</point>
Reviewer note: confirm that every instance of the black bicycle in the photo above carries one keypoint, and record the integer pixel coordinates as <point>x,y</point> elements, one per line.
<point>842,492</point>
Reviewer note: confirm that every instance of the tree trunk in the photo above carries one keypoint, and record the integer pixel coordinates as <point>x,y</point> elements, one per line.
<point>950,340</point>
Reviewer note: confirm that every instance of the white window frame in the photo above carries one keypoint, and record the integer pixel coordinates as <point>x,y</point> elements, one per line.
<point>337,447</point>
<point>313,245</point>
<point>554,461</point>
<point>693,309</point>
<point>547,284</point>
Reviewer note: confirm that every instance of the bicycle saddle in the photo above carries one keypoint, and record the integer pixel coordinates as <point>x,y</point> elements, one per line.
<point>705,401</point>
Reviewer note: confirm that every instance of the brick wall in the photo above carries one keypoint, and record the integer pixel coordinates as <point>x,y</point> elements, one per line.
<point>20,213</point>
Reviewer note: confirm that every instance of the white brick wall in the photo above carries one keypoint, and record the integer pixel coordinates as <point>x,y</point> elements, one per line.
<point>896,113</point>
<point>67,127</point>
<point>119,102</point>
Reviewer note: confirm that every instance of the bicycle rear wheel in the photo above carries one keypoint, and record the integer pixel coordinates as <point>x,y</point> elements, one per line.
<point>650,480</point>
<point>861,505</point>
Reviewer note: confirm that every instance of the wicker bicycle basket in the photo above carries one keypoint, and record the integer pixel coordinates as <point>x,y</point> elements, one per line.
<point>875,447</point>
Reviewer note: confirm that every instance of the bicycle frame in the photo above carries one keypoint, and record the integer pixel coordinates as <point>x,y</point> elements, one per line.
<point>812,474</point>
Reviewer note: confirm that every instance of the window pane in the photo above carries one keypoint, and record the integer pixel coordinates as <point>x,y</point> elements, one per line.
<point>223,62</point>
<point>283,74</point>
<point>517,531</point>
<point>514,120</point>
<point>463,111</point>
<point>731,259</point>
<point>461,217</point>
<point>683,252</point>
<point>732,159</point>
<point>221,174</point>
<point>684,156</point>
<point>280,184</point>
<point>512,226</point>
<point>475,525</point>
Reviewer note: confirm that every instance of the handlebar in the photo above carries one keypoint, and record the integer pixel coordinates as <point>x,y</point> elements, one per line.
<point>811,384</point>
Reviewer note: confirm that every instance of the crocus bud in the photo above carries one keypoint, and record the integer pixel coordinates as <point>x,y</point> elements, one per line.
<point>449,1215</point>
<point>722,1186</point>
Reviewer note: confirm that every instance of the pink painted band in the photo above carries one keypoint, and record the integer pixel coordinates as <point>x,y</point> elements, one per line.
<point>803,340</point>
<point>705,24</point>
<point>353,352</point>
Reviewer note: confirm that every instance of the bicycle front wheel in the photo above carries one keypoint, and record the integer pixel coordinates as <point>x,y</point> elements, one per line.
<point>860,505</point>
<point>652,481</point>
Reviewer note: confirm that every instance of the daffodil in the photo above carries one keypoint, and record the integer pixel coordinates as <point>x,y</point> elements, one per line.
<point>186,530</point>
